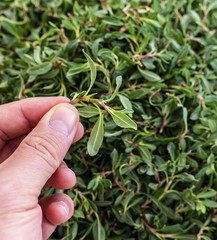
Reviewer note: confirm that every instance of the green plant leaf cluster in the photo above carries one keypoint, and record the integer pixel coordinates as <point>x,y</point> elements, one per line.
<point>143,76</point>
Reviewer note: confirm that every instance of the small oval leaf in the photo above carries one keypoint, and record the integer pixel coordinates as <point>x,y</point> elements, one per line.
<point>92,71</point>
<point>98,231</point>
<point>40,69</point>
<point>118,83</point>
<point>122,120</point>
<point>88,112</point>
<point>150,76</point>
<point>96,137</point>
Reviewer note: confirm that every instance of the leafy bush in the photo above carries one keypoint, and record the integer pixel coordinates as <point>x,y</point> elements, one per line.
<point>157,59</point>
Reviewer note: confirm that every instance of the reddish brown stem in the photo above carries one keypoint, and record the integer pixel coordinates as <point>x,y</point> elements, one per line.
<point>84,161</point>
<point>153,231</point>
<point>121,186</point>
<point>154,93</point>
<point>139,123</point>
<point>123,29</point>
<point>167,187</point>
<point>163,124</point>
<point>191,171</point>
<point>177,208</point>
<point>148,55</point>
<point>77,100</point>
<point>183,135</point>
<point>57,63</point>
<point>131,143</point>
<point>213,215</point>
<point>90,22</point>
<point>200,99</point>
<point>85,99</point>
<point>122,10</point>
<point>103,172</point>
<point>90,129</point>
<point>158,178</point>
<point>70,15</point>
<point>23,90</point>
<point>146,203</point>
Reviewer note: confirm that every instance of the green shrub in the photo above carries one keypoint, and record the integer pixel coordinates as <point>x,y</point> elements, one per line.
<point>156,177</point>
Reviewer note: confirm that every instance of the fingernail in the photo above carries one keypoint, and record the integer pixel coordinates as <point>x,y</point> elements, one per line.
<point>64,206</point>
<point>63,120</point>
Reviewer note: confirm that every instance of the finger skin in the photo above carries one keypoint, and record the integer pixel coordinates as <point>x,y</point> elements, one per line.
<point>37,158</point>
<point>47,228</point>
<point>9,147</point>
<point>79,133</point>
<point>63,178</point>
<point>25,172</point>
<point>57,209</point>
<point>12,144</point>
<point>23,115</point>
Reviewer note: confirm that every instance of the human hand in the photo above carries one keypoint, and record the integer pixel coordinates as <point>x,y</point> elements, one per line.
<point>35,135</point>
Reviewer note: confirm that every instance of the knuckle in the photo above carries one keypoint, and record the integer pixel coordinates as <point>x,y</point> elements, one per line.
<point>45,147</point>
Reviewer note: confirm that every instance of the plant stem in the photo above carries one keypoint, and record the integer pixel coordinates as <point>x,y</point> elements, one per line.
<point>89,100</point>
<point>153,231</point>
<point>167,187</point>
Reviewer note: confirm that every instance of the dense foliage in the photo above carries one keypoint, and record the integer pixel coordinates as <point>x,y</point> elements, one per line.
<point>156,181</point>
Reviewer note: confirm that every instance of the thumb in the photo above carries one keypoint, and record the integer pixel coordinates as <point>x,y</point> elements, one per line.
<point>41,152</point>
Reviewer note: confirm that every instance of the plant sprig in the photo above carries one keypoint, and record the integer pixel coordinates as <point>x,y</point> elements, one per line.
<point>121,119</point>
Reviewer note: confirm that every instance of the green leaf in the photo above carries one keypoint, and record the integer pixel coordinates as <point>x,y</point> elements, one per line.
<point>171,150</point>
<point>122,120</point>
<point>96,137</point>
<point>153,22</point>
<point>112,21</point>
<point>183,236</point>
<point>212,6</point>
<point>185,117</point>
<point>196,113</point>
<point>36,54</point>
<point>208,194</point>
<point>128,198</point>
<point>195,16</point>
<point>98,230</point>
<point>146,155</point>
<point>212,125</point>
<point>77,68</point>
<point>187,177</point>
<point>78,214</point>
<point>11,28</point>
<point>114,157</point>
<point>125,102</point>
<point>40,69</point>
<point>209,203</point>
<point>88,111</point>
<point>74,230</point>
<point>92,70</point>
<point>200,207</point>
<point>75,95</point>
<point>4,84</point>
<point>185,22</point>
<point>139,93</point>
<point>93,184</point>
<point>118,83</point>
<point>206,85</point>
<point>107,183</point>
<point>150,76</point>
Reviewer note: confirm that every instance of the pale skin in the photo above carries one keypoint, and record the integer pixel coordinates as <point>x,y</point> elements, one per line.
<point>35,135</point>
